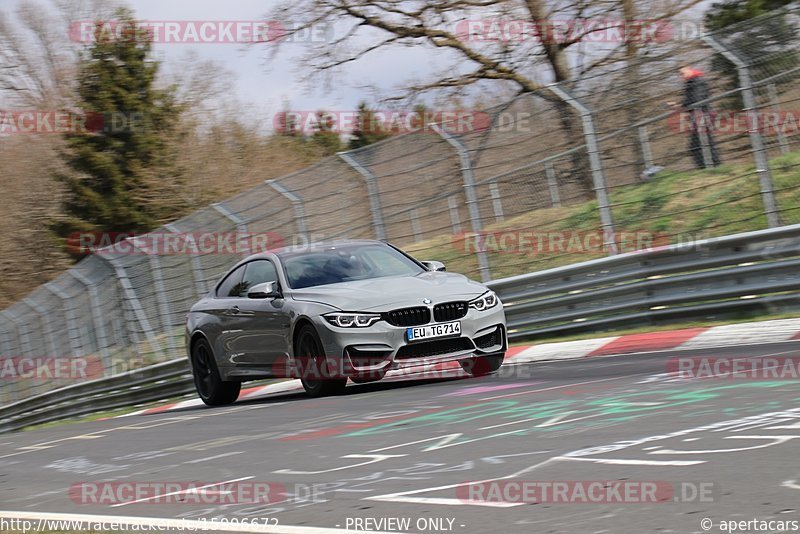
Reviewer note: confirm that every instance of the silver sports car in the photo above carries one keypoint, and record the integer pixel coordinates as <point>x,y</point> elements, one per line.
<point>333,311</point>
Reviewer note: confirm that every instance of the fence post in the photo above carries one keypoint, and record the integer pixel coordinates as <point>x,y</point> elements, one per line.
<point>772,93</point>
<point>372,192</point>
<point>48,327</point>
<point>647,152</point>
<point>472,200</point>
<point>164,308</point>
<point>97,317</point>
<point>241,226</point>
<point>71,319</point>
<point>756,141</point>
<point>297,204</point>
<point>136,306</point>
<point>413,215</point>
<point>552,183</point>
<point>497,202</point>
<point>455,220</point>
<point>23,346</point>
<point>598,176</point>
<point>197,267</point>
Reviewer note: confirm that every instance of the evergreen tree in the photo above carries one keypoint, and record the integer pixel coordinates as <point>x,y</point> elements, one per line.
<point>119,168</point>
<point>368,129</point>
<point>767,41</point>
<point>325,138</point>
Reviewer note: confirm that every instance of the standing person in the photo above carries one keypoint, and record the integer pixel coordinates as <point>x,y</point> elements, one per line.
<point>695,89</point>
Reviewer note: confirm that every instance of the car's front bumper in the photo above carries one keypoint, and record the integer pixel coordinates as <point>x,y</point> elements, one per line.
<point>382,347</point>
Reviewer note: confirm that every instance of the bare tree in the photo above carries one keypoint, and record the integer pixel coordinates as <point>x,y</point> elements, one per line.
<point>545,52</point>
<point>38,52</point>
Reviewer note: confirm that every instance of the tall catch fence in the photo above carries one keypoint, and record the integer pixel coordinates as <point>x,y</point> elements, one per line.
<point>563,175</point>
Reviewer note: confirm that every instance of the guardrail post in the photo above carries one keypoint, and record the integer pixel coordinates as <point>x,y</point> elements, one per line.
<point>241,227</point>
<point>472,200</point>
<point>372,192</point>
<point>97,316</point>
<point>297,204</point>
<point>598,176</point>
<point>756,141</point>
<point>552,184</point>
<point>772,93</point>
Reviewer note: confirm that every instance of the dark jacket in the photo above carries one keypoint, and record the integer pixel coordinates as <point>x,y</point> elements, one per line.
<point>695,90</point>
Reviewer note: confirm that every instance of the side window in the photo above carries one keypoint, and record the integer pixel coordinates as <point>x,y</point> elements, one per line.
<point>232,285</point>
<point>258,272</point>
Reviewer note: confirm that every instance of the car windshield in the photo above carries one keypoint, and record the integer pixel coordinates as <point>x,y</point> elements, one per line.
<point>345,263</point>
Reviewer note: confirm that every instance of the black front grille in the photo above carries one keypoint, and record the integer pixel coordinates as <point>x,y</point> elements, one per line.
<point>409,316</point>
<point>489,340</point>
<point>438,347</point>
<point>449,311</point>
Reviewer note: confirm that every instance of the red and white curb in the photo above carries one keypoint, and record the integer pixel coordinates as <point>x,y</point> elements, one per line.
<point>690,338</point>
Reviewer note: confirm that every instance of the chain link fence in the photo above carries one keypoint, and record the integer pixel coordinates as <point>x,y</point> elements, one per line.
<point>563,175</point>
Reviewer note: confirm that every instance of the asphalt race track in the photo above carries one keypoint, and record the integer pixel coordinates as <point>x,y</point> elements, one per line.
<point>381,454</point>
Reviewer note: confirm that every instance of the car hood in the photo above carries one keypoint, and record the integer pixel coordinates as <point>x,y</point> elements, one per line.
<point>384,294</point>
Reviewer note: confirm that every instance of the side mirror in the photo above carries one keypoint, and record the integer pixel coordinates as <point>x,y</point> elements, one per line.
<point>267,290</point>
<point>434,265</point>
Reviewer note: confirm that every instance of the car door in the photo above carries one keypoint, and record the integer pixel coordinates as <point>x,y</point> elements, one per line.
<point>228,319</point>
<point>263,340</point>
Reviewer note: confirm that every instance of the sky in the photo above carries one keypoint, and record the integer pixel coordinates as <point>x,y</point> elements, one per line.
<point>269,85</point>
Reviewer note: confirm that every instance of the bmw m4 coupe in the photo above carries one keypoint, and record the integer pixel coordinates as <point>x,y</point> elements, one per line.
<point>335,311</point>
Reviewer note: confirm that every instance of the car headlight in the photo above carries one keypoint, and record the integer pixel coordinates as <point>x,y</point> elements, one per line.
<point>352,320</point>
<point>485,301</point>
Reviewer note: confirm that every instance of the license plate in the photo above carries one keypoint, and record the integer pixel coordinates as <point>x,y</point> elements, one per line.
<point>434,330</point>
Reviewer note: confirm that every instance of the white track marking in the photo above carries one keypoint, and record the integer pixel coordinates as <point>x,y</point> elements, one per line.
<point>201,460</point>
<point>622,461</point>
<point>145,499</point>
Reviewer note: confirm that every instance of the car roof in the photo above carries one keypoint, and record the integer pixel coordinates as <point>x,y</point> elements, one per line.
<point>311,247</point>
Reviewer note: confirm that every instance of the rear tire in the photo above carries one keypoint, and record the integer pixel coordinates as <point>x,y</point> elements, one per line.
<point>482,365</point>
<point>211,389</point>
<point>315,372</point>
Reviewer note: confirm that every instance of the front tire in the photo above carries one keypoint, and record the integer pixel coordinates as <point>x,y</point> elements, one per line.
<point>314,368</point>
<point>211,389</point>
<point>482,365</point>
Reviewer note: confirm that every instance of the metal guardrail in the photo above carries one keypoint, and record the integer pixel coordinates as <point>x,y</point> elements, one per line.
<point>716,277</point>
